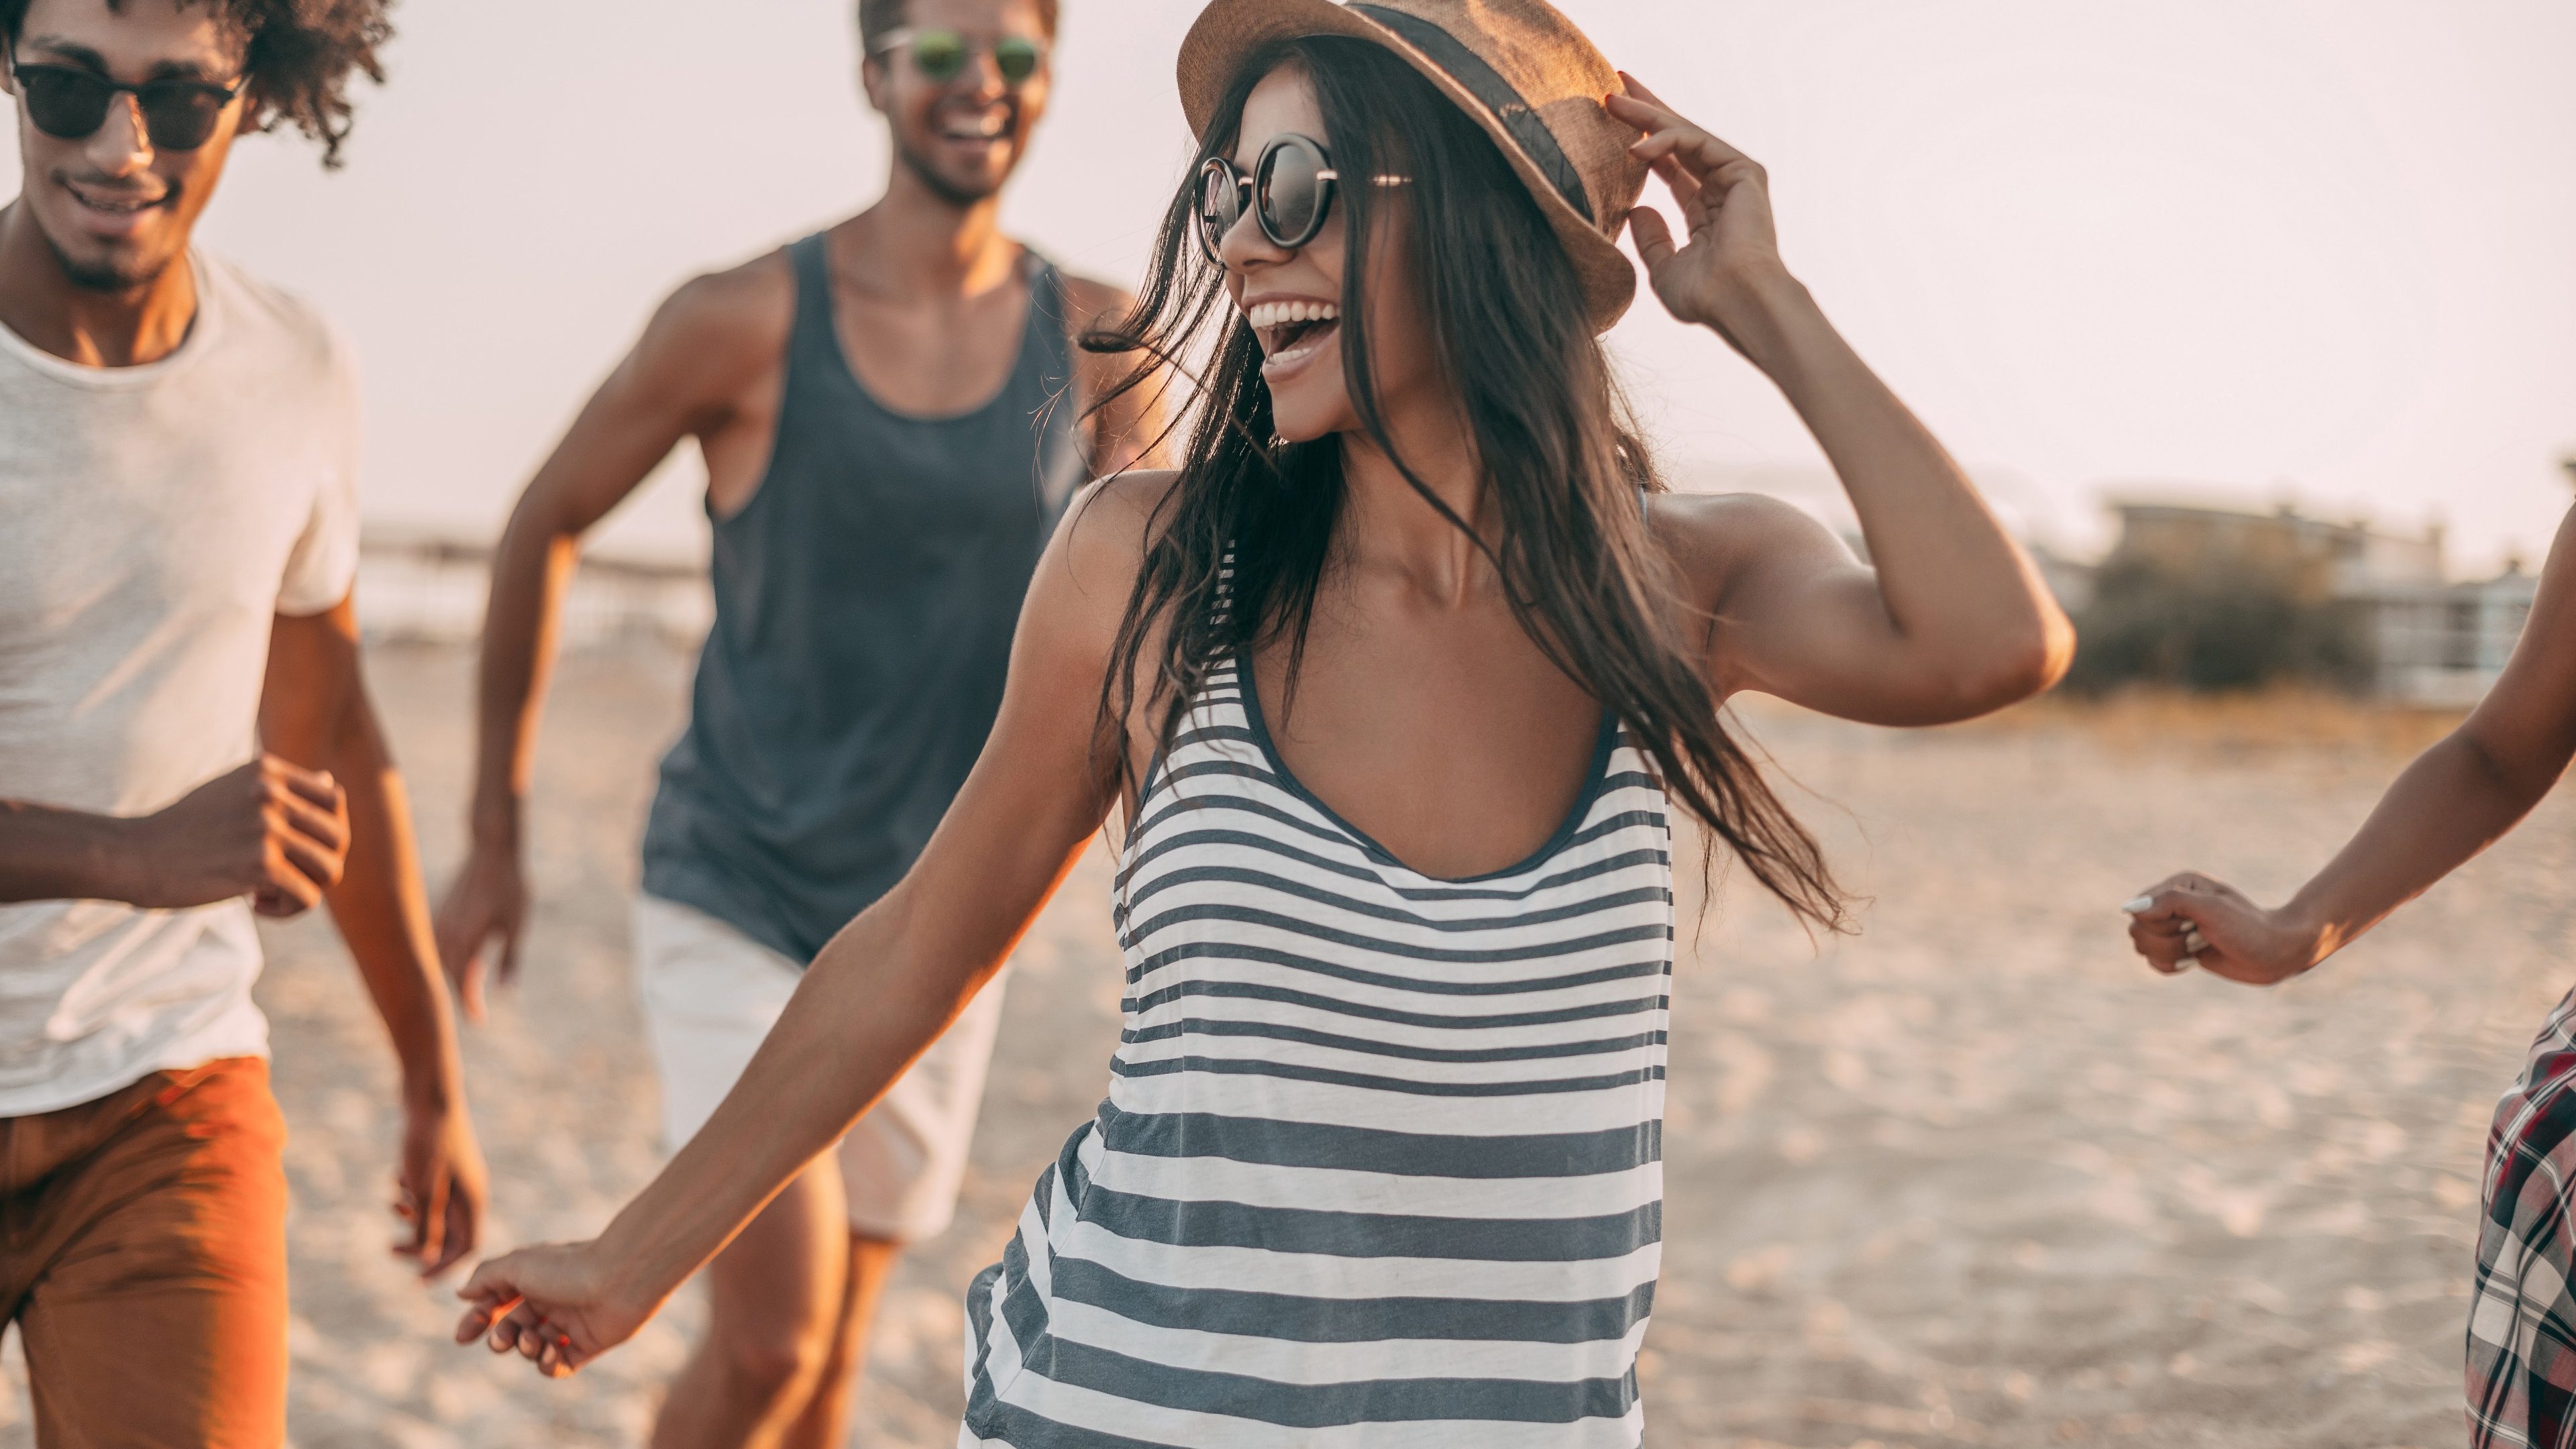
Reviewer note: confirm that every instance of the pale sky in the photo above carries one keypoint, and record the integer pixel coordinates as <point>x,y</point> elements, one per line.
<point>2255,249</point>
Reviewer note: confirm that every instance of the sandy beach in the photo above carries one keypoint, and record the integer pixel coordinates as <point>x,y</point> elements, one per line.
<point>1972,1177</point>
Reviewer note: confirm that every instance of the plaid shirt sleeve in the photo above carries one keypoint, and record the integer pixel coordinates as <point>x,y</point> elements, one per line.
<point>2522,1323</point>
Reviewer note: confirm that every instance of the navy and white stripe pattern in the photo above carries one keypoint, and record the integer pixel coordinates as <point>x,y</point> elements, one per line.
<point>1381,1162</point>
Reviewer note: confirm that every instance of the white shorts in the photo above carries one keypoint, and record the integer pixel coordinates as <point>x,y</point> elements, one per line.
<point>711,994</point>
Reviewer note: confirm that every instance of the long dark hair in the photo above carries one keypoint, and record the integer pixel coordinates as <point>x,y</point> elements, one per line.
<point>1551,430</point>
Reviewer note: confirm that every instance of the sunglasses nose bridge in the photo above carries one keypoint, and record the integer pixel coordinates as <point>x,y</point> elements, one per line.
<point>1248,242</point>
<point>124,136</point>
<point>982,75</point>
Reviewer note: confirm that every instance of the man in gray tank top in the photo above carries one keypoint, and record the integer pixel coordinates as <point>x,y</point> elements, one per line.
<point>890,413</point>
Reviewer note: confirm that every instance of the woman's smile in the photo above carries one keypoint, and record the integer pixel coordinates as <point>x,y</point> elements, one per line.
<point>1293,331</point>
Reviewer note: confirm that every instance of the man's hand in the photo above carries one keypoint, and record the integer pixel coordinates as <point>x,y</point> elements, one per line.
<point>554,1304</point>
<point>270,830</point>
<point>2191,920</point>
<point>439,1190</point>
<point>481,919</point>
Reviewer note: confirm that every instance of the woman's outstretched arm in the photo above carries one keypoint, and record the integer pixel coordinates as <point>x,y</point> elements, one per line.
<point>886,986</point>
<point>1954,619</point>
<point>2458,798</point>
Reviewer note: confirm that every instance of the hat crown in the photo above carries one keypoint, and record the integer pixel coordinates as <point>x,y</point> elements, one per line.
<point>1524,71</point>
<point>1557,74</point>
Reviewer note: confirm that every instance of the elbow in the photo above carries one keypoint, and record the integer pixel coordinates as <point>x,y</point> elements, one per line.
<point>2046,652</point>
<point>2019,662</point>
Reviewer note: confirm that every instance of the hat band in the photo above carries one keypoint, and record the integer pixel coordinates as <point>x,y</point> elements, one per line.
<point>1486,84</point>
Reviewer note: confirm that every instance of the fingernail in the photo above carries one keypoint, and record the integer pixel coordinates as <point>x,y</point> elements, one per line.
<point>2142,903</point>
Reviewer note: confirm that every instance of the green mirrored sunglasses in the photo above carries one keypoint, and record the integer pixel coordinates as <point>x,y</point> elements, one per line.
<point>943,55</point>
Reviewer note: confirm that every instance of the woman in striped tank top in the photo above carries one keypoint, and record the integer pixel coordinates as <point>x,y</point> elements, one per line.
<point>1390,686</point>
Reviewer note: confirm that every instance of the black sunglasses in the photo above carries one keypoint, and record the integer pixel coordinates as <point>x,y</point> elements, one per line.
<point>1289,192</point>
<point>70,104</point>
<point>943,55</point>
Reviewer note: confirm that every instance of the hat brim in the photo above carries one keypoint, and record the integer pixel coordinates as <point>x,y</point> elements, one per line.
<point>1228,32</point>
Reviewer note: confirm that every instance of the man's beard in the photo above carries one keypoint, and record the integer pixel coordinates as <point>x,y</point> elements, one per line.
<point>108,277</point>
<point>940,186</point>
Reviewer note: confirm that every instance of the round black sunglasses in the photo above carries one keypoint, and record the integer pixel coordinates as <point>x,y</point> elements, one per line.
<point>1290,193</point>
<point>70,104</point>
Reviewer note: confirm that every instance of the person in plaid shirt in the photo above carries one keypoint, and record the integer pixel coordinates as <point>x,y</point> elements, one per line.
<point>2458,797</point>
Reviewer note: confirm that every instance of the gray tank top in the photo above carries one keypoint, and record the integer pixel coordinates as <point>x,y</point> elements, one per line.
<point>865,600</point>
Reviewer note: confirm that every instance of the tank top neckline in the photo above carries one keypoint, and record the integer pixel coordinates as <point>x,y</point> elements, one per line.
<point>1036,273</point>
<point>1596,777</point>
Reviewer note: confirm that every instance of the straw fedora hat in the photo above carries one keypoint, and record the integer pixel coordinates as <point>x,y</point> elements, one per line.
<point>1532,80</point>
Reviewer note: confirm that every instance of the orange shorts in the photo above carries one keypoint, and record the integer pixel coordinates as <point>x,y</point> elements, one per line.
<point>143,1257</point>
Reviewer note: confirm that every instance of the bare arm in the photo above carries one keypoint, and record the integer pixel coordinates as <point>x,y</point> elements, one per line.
<point>1954,620</point>
<point>268,830</point>
<point>2455,800</point>
<point>52,854</point>
<point>685,377</point>
<point>887,985</point>
<point>315,711</point>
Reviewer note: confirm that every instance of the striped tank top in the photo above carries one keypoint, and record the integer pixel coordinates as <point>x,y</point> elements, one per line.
<point>1381,1162</point>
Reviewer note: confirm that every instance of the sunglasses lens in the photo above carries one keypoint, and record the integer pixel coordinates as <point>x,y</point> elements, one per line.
<point>940,54</point>
<point>1017,57</point>
<point>1220,205</point>
<point>1291,193</point>
<point>181,117</point>
<point>65,104</point>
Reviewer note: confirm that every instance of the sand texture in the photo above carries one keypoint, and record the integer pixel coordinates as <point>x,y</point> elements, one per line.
<point>1973,1177</point>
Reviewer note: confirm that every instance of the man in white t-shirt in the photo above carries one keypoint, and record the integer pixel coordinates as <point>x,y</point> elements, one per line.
<point>184,735</point>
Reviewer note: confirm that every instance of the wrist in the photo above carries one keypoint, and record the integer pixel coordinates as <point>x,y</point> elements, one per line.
<point>632,1270</point>
<point>493,823</point>
<point>1761,309</point>
<point>431,1090</point>
<point>2308,936</point>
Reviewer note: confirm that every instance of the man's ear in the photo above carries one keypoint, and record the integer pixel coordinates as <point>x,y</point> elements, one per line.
<point>872,82</point>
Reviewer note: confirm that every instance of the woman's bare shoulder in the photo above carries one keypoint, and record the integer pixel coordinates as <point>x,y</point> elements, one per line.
<point>1092,566</point>
<point>1717,537</point>
<point>1112,521</point>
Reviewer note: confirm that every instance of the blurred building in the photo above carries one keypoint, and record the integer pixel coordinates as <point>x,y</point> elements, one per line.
<point>2430,640</point>
<point>2320,560</point>
<point>2446,643</point>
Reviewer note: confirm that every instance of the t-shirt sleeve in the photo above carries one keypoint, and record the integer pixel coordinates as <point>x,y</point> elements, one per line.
<point>324,565</point>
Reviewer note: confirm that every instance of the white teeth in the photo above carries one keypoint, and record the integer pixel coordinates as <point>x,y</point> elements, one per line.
<point>981,128</point>
<point>1282,314</point>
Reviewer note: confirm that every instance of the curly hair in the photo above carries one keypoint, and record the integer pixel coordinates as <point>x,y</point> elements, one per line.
<point>300,58</point>
<point>876,17</point>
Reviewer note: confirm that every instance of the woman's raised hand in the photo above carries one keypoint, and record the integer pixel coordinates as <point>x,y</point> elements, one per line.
<point>1730,251</point>
<point>553,1304</point>
<point>2191,920</point>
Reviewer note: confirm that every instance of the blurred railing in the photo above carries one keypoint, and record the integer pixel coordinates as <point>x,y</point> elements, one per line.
<point>417,589</point>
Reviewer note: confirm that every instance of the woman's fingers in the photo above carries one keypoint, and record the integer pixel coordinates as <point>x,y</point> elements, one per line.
<point>1653,235</point>
<point>2165,923</point>
<point>489,1296</point>
<point>1685,187</point>
<point>2161,944</point>
<point>508,1320</point>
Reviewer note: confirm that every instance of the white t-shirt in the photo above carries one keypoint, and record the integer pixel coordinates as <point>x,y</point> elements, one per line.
<point>154,521</point>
